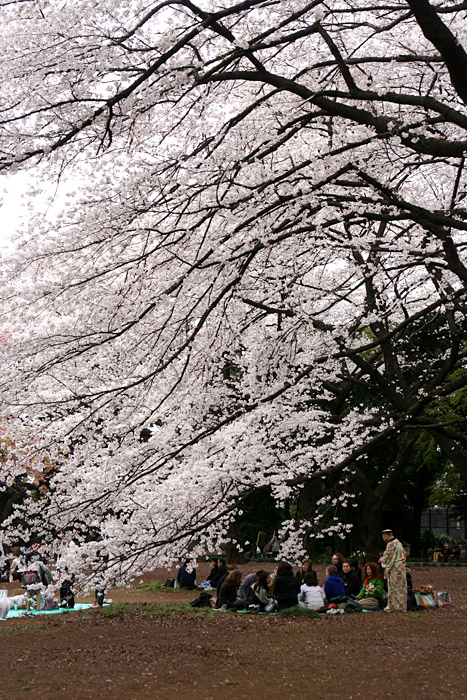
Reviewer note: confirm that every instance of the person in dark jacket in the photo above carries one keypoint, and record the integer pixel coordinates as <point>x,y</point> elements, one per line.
<point>230,567</point>
<point>356,569</point>
<point>185,578</point>
<point>333,585</point>
<point>213,572</point>
<point>221,569</point>
<point>217,571</point>
<point>286,587</point>
<point>351,583</point>
<point>228,592</point>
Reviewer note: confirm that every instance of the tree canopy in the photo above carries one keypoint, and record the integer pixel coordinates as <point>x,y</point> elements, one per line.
<point>262,219</point>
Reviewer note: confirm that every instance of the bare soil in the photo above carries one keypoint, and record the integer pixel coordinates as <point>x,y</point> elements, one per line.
<point>152,651</point>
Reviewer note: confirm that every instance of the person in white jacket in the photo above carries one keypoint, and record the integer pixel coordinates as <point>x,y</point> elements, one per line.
<point>311,595</point>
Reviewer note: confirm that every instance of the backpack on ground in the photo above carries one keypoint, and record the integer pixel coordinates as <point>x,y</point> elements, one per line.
<point>202,601</point>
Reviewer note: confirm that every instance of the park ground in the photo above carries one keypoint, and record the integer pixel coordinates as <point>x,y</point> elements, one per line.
<point>151,644</point>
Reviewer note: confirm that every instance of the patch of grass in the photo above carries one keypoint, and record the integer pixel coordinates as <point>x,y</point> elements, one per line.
<point>155,586</point>
<point>153,609</point>
<point>413,615</point>
<point>297,611</point>
<point>116,609</point>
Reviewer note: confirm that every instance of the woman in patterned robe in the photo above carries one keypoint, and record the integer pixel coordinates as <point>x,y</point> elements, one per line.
<point>393,563</point>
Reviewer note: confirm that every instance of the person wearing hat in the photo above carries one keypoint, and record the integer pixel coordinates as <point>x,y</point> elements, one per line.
<point>393,563</point>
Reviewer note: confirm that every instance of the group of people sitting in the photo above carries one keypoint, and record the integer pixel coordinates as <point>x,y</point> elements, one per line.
<point>449,551</point>
<point>345,586</point>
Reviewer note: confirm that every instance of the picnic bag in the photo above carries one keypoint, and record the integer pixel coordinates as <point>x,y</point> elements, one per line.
<point>425,600</point>
<point>202,601</point>
<point>444,598</point>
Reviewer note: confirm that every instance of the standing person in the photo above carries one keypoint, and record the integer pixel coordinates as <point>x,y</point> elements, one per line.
<point>393,563</point>
<point>261,540</point>
<point>274,545</point>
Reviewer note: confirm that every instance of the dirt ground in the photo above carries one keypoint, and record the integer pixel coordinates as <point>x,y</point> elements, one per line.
<point>148,651</point>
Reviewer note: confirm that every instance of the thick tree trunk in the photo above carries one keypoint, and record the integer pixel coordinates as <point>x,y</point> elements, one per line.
<point>232,555</point>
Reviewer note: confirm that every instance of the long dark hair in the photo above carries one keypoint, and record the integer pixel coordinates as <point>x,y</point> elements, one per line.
<point>263,581</point>
<point>282,567</point>
<point>311,578</point>
<point>303,572</point>
<point>236,576</point>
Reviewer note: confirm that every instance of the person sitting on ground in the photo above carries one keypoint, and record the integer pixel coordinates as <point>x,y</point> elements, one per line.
<point>17,561</point>
<point>185,578</point>
<point>244,595</point>
<point>306,568</point>
<point>371,594</point>
<point>221,568</point>
<point>229,567</point>
<point>261,593</point>
<point>334,589</point>
<point>286,587</point>
<point>311,595</point>
<point>351,583</point>
<point>212,576</point>
<point>356,569</point>
<point>337,561</point>
<point>228,592</point>
<point>246,584</point>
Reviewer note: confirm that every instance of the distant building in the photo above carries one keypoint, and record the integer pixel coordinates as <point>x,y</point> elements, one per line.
<point>440,521</point>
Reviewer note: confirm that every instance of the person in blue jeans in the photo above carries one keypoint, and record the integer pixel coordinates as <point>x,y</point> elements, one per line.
<point>333,585</point>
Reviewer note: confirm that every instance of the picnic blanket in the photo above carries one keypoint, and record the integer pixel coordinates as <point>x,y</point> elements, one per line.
<point>33,613</point>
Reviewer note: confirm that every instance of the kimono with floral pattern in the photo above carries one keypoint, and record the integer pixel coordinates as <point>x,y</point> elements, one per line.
<point>393,562</point>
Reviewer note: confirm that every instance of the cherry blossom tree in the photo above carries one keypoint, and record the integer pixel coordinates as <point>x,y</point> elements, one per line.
<point>259,211</point>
